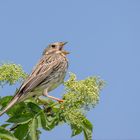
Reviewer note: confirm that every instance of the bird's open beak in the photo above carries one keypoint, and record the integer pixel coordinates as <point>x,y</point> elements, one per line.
<point>63,43</point>
<point>63,51</point>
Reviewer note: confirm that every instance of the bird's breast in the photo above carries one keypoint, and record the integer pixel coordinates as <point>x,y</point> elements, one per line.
<point>56,77</point>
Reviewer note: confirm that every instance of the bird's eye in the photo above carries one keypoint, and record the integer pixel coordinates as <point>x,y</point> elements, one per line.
<point>53,46</point>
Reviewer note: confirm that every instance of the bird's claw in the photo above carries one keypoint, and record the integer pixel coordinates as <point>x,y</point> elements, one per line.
<point>60,101</point>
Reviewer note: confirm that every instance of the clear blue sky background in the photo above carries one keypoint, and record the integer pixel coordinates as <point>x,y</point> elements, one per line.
<point>104,40</point>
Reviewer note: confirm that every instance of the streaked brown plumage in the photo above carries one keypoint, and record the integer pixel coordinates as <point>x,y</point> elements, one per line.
<point>46,76</point>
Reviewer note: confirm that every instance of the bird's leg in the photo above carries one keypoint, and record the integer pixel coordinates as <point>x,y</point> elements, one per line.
<point>54,98</point>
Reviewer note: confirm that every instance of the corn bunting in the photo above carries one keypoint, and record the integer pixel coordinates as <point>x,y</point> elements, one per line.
<point>48,74</point>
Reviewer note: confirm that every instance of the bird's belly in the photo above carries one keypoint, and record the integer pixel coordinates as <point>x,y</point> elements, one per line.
<point>54,85</point>
<point>53,81</point>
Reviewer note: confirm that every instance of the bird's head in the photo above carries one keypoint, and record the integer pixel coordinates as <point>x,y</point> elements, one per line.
<point>56,47</point>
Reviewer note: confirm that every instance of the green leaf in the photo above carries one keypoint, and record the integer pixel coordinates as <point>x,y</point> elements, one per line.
<point>34,107</point>
<point>87,124</point>
<point>87,134</point>
<point>48,122</point>
<point>20,119</point>
<point>43,121</point>
<point>33,129</point>
<point>20,107</point>
<point>21,131</point>
<point>5,125</point>
<point>52,121</point>
<point>87,129</point>
<point>5,134</point>
<point>5,100</point>
<point>75,130</point>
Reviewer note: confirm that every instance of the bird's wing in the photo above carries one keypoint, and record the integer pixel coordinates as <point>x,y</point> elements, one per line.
<point>45,66</point>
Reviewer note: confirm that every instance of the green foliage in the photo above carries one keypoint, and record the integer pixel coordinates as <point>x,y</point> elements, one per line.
<point>26,118</point>
<point>11,73</point>
<point>80,97</point>
<point>6,135</point>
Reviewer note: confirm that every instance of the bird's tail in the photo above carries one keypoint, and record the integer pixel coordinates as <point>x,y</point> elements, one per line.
<point>12,102</point>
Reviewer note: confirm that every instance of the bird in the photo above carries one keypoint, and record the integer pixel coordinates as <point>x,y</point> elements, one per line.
<point>47,75</point>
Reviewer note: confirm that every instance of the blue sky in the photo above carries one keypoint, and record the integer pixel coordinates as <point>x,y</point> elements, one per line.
<point>104,40</point>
